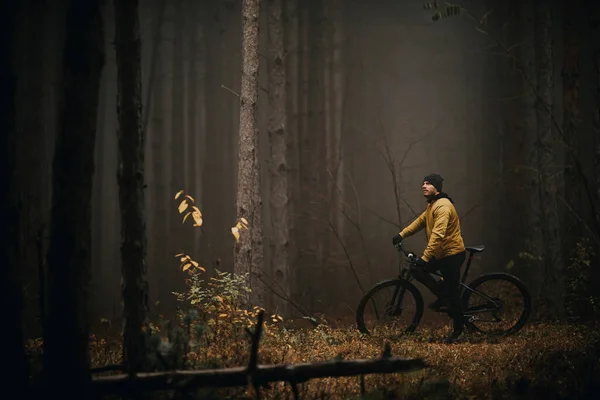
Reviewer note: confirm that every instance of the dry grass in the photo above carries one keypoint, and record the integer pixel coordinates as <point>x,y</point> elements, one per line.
<point>542,361</point>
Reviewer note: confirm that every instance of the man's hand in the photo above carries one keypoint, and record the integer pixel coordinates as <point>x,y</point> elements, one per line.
<point>396,239</point>
<point>421,263</point>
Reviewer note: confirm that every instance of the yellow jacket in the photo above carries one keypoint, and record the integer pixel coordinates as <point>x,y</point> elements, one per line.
<point>442,227</point>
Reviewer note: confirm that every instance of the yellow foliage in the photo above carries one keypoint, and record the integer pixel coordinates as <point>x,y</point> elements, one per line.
<point>546,355</point>
<point>183,206</point>
<point>241,224</point>
<point>187,204</point>
<point>186,262</point>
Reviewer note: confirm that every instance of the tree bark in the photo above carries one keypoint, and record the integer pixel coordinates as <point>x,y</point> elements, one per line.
<point>571,124</point>
<point>248,254</point>
<point>552,270</point>
<point>134,284</point>
<point>519,155</point>
<point>278,138</point>
<point>66,338</point>
<point>594,12</point>
<point>176,230</point>
<point>10,276</point>
<point>239,376</point>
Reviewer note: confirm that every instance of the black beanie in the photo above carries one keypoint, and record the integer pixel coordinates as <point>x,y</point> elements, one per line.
<point>434,179</point>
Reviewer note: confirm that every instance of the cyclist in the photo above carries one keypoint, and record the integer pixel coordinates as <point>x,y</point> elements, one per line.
<point>445,251</point>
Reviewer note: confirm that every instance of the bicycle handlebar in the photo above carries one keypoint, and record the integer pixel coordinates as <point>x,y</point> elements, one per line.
<point>411,256</point>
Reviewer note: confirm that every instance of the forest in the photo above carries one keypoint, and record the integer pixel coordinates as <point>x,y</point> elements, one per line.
<point>199,197</point>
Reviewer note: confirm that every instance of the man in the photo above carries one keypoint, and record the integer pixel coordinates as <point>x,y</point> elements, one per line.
<point>445,251</point>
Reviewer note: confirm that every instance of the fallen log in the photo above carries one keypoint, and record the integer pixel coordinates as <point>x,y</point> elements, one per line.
<point>262,374</point>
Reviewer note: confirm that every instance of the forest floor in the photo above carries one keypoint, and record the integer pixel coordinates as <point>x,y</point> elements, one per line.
<point>542,361</point>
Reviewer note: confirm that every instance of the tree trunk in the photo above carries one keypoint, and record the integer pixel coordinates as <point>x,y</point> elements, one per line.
<point>519,156</point>
<point>66,338</point>
<point>571,124</point>
<point>30,127</point>
<point>10,276</point>
<point>131,174</point>
<point>304,257</point>
<point>278,138</point>
<point>552,270</point>
<point>595,22</point>
<point>337,106</point>
<point>177,231</point>
<point>292,61</point>
<point>248,254</point>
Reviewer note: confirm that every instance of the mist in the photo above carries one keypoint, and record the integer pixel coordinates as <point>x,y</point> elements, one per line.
<point>369,83</point>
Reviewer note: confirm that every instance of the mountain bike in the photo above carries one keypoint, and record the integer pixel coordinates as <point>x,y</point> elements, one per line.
<point>495,304</point>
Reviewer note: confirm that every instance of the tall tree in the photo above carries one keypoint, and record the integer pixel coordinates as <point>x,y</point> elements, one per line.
<point>594,12</point>
<point>131,173</point>
<point>571,124</point>
<point>9,269</point>
<point>519,155</point>
<point>278,139</point>
<point>553,287</point>
<point>248,253</point>
<point>67,329</point>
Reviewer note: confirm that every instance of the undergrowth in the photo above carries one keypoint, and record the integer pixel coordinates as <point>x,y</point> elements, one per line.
<point>210,331</point>
<point>542,361</point>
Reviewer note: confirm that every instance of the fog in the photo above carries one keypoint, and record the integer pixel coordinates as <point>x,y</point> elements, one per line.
<point>366,79</point>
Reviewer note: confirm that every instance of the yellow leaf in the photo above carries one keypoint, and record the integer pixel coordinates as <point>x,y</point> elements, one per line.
<point>178,194</point>
<point>198,225</point>
<point>201,268</point>
<point>186,216</point>
<point>184,258</point>
<point>236,233</point>
<point>219,298</point>
<point>183,206</point>
<point>222,315</point>
<point>244,220</point>
<point>179,255</point>
<point>194,262</point>
<point>197,218</point>
<point>196,209</point>
<point>190,197</point>
<point>186,267</point>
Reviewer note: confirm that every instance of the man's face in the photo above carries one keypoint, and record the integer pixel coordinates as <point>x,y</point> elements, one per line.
<point>429,190</point>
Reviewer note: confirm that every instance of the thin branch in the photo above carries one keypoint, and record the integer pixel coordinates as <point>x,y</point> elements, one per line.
<point>229,90</point>
<point>347,256</point>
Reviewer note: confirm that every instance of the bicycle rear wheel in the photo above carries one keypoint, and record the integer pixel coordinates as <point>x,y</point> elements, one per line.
<point>497,304</point>
<point>390,307</point>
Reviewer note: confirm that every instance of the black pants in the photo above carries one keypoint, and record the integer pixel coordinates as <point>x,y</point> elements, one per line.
<point>449,288</point>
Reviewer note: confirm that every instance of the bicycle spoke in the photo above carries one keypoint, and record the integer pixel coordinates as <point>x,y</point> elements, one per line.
<point>495,305</point>
<point>390,309</point>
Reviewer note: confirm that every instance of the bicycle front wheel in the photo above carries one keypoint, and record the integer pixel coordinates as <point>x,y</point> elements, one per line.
<point>390,307</point>
<point>496,304</point>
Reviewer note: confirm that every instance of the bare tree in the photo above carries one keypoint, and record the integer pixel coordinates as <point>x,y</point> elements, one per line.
<point>69,255</point>
<point>552,289</point>
<point>248,253</point>
<point>134,283</point>
<point>571,121</point>
<point>595,22</point>
<point>279,199</point>
<point>10,275</point>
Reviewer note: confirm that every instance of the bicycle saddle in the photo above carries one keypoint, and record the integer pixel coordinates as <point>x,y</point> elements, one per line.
<point>475,249</point>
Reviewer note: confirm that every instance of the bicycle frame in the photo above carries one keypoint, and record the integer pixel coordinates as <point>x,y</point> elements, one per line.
<point>405,274</point>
